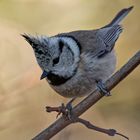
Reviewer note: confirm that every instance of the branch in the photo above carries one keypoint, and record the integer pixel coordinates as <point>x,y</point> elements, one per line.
<point>79,109</point>
<point>110,132</point>
<point>63,110</point>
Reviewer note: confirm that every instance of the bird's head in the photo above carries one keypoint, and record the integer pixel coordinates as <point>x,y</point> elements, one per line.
<point>57,56</point>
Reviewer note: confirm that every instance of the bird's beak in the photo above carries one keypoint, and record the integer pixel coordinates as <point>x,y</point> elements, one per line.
<point>44,75</point>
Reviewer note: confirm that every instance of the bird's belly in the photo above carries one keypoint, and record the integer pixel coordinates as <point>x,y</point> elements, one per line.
<point>84,82</point>
<point>76,87</point>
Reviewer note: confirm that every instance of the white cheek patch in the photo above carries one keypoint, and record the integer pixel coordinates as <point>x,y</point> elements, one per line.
<point>74,48</point>
<point>71,44</point>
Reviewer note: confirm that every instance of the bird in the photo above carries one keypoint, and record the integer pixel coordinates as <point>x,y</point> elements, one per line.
<point>77,62</point>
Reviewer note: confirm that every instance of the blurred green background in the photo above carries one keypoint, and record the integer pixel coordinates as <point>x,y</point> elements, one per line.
<point>23,96</point>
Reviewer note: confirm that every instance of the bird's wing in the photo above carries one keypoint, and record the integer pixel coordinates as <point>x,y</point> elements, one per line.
<point>99,42</point>
<point>107,37</point>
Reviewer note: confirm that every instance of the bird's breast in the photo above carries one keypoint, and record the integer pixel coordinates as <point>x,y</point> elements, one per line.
<point>89,71</point>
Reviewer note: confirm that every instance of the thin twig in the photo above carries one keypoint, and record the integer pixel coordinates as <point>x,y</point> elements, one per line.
<point>62,109</point>
<point>84,105</point>
<point>110,132</point>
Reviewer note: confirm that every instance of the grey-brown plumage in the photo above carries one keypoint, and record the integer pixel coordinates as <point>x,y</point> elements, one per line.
<point>73,62</point>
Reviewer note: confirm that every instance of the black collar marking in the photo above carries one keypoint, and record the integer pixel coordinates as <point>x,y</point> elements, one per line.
<point>57,80</point>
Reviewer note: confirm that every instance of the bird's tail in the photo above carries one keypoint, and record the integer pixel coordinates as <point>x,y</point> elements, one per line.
<point>120,16</point>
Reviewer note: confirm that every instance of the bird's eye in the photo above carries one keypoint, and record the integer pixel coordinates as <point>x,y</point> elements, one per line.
<point>55,61</point>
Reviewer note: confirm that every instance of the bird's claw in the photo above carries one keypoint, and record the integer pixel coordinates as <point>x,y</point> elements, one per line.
<point>101,87</point>
<point>61,110</point>
<point>66,111</point>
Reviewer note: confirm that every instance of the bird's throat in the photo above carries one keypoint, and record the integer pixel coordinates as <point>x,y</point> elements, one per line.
<point>57,80</point>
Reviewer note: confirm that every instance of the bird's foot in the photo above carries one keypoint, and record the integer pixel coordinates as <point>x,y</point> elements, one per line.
<point>101,87</point>
<point>69,108</point>
<point>65,110</point>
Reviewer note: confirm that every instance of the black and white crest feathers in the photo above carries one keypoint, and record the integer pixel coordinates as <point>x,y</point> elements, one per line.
<point>30,39</point>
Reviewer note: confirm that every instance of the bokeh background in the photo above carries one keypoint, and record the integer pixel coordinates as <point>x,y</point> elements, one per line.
<point>23,96</point>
